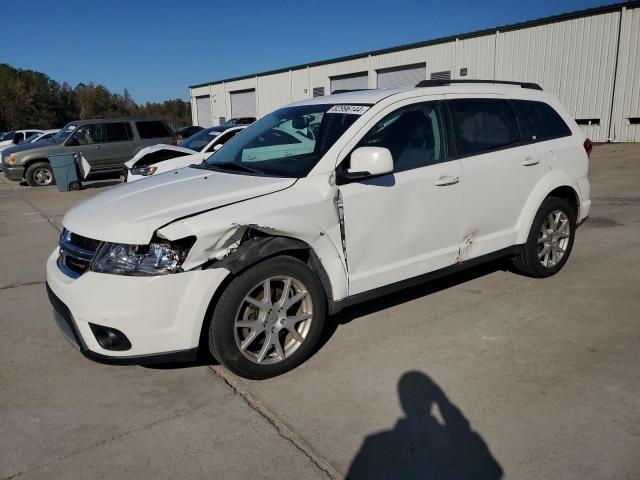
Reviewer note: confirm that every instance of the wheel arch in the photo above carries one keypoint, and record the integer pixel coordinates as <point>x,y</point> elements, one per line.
<point>561,188</point>
<point>31,161</point>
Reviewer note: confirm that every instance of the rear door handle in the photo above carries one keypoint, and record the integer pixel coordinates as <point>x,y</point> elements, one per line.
<point>529,161</point>
<point>446,180</point>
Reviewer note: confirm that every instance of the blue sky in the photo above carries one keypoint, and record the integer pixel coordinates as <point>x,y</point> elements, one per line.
<point>157,48</point>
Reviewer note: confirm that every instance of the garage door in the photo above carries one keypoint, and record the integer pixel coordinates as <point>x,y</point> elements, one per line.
<point>354,81</point>
<point>203,106</point>
<point>243,103</point>
<point>405,76</point>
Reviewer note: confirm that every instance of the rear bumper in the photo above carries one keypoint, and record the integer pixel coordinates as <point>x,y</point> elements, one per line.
<point>14,172</point>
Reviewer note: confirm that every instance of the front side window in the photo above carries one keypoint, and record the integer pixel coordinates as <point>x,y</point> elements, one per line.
<point>223,138</point>
<point>286,143</point>
<point>117,132</point>
<point>88,134</point>
<point>539,121</point>
<point>482,124</point>
<point>413,134</point>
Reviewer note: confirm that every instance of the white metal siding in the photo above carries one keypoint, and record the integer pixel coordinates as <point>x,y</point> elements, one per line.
<point>574,58</point>
<point>356,81</point>
<point>627,91</point>
<point>405,76</point>
<point>243,103</point>
<point>203,106</point>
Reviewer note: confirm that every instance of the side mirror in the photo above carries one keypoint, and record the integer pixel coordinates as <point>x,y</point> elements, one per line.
<point>72,142</point>
<point>217,147</point>
<point>369,162</point>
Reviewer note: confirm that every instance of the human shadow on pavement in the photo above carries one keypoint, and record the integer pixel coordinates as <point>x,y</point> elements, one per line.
<point>423,446</point>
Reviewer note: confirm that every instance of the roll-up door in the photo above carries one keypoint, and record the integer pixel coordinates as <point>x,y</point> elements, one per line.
<point>353,81</point>
<point>405,76</point>
<point>243,103</point>
<point>203,106</point>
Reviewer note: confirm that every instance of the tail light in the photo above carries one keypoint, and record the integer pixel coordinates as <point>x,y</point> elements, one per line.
<point>588,146</point>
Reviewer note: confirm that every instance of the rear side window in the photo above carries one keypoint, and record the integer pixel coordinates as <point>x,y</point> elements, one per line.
<point>539,121</point>
<point>118,132</point>
<point>152,129</point>
<point>482,124</point>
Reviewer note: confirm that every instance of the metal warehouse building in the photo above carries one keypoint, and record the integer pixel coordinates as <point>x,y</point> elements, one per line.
<point>589,58</point>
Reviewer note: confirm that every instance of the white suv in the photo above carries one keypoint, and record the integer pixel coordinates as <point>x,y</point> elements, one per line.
<point>319,205</point>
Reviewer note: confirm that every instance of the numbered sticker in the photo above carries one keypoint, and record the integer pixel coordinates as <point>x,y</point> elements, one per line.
<point>348,109</point>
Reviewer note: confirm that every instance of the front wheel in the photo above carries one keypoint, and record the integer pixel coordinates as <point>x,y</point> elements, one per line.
<point>39,174</point>
<point>268,319</point>
<point>550,239</point>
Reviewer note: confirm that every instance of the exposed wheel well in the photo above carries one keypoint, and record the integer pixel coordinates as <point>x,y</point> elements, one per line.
<point>570,195</point>
<point>304,254</point>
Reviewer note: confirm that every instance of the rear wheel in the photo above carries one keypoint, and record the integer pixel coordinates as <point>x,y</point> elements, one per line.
<point>39,174</point>
<point>268,319</point>
<point>550,239</point>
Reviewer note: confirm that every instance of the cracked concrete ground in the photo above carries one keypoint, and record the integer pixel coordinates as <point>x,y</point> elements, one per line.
<point>545,372</point>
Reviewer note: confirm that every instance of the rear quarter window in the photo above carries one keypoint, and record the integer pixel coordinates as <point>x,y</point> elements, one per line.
<point>539,121</point>
<point>152,129</point>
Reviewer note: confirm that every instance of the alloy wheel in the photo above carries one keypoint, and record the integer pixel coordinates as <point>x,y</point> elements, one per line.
<point>553,238</point>
<point>273,320</point>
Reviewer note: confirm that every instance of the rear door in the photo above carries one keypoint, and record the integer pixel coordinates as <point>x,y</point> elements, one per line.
<point>499,171</point>
<point>120,144</point>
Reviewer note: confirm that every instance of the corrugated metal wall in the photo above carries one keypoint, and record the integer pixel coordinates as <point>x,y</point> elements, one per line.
<point>576,59</point>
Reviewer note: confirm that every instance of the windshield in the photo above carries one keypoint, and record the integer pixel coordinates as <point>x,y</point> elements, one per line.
<point>64,132</point>
<point>201,139</point>
<point>286,143</point>
<point>7,136</point>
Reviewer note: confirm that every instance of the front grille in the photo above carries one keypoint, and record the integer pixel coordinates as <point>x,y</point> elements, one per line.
<point>76,253</point>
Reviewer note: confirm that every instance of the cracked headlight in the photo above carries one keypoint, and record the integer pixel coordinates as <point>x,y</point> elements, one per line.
<point>157,258</point>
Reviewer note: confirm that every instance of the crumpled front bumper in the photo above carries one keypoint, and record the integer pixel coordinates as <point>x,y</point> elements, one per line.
<point>161,316</point>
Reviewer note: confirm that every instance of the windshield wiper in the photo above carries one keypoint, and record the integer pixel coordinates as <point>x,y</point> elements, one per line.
<point>234,166</point>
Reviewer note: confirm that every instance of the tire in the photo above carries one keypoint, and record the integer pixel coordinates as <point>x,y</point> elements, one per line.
<point>244,320</point>
<point>74,186</point>
<point>538,258</point>
<point>39,174</point>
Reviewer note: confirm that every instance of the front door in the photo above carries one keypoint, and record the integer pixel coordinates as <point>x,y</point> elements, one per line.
<point>89,139</point>
<point>403,224</point>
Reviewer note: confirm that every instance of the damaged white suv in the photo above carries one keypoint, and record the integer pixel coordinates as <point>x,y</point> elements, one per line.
<point>319,205</point>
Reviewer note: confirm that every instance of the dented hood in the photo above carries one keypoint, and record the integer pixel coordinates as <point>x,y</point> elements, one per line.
<point>132,212</point>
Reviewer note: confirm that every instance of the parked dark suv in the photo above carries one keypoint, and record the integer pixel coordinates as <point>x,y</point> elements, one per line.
<point>105,143</point>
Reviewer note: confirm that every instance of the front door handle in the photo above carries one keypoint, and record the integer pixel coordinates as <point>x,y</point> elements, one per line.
<point>446,180</point>
<point>529,161</point>
<point>98,147</point>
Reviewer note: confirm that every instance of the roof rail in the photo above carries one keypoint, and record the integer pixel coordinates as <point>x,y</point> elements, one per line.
<point>443,82</point>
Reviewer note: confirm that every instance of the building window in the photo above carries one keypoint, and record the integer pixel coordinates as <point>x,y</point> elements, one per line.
<point>588,121</point>
<point>318,91</point>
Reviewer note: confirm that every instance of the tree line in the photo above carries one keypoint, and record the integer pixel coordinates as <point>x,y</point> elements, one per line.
<point>30,99</point>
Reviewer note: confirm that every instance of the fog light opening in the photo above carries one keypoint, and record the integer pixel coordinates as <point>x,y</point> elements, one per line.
<point>110,338</point>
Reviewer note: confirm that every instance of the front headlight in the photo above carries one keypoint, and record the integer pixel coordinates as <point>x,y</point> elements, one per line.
<point>11,160</point>
<point>157,258</point>
<point>144,171</point>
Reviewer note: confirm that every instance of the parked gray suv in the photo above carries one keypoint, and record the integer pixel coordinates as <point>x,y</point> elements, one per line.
<point>105,143</point>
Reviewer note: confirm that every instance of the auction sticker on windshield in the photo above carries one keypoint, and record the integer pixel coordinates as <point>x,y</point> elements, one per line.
<point>349,109</point>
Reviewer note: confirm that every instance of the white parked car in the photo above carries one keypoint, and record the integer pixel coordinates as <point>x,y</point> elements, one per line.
<point>9,139</point>
<point>246,254</point>
<point>45,135</point>
<point>163,158</point>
